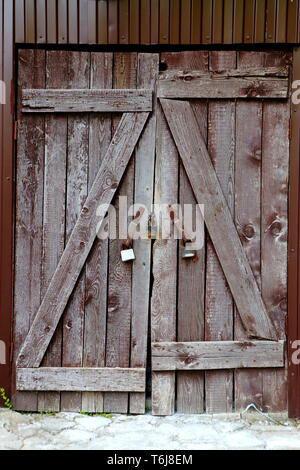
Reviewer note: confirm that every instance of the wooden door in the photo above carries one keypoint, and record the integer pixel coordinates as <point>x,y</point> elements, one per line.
<point>223,141</point>
<point>80,322</point>
<point>92,127</point>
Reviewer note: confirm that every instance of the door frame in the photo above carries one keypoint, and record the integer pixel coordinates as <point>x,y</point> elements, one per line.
<point>7,153</point>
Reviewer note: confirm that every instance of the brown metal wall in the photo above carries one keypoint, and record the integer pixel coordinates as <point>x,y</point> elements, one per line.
<point>156,21</point>
<point>163,22</point>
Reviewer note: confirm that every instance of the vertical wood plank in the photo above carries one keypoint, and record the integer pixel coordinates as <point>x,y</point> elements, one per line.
<point>275,160</point>
<point>54,208</point>
<point>120,274</point>
<point>97,262</point>
<point>29,213</point>
<point>191,275</point>
<point>77,165</point>
<point>219,304</point>
<point>163,301</point>
<point>148,65</point>
<point>248,384</point>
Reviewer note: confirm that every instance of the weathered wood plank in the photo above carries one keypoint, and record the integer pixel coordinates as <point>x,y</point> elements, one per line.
<point>163,301</point>
<point>275,161</point>
<point>191,273</point>
<point>248,384</point>
<point>81,239</point>
<point>97,262</point>
<point>54,208</point>
<point>81,100</point>
<point>76,379</point>
<point>120,274</point>
<point>148,65</point>
<point>29,214</point>
<point>76,193</point>
<point>191,86</point>
<point>219,311</point>
<point>212,355</point>
<point>225,70</point>
<point>218,219</point>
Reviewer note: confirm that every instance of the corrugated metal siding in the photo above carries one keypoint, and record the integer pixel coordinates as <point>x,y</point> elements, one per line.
<point>156,21</point>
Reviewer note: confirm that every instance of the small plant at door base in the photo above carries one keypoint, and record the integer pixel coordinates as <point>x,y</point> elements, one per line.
<point>6,400</point>
<point>104,415</point>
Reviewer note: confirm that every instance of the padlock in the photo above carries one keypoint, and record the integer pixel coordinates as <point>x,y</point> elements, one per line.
<point>127,253</point>
<point>185,252</point>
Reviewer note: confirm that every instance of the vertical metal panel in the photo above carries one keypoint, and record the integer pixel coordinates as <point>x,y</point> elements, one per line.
<point>154,21</point>
<point>30,15</point>
<point>113,22</point>
<point>217,37</point>
<point>260,21</point>
<point>281,25</point>
<point>72,22</point>
<point>83,21</point>
<point>292,21</point>
<point>124,22</point>
<point>41,21</point>
<point>145,21</point>
<point>92,23</point>
<point>271,21</point>
<point>293,253</point>
<point>185,19</point>
<point>134,22</point>
<point>19,21</point>
<point>6,192</point>
<point>102,16</point>
<point>249,20</point>
<point>62,17</point>
<point>51,22</point>
<point>163,22</point>
<point>196,21</point>
<point>228,21</point>
<point>207,11</point>
<point>238,21</point>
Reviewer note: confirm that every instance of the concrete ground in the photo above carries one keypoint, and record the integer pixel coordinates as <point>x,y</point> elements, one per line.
<point>72,431</point>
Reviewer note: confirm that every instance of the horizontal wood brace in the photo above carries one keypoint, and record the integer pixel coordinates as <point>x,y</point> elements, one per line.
<point>82,100</point>
<point>76,379</point>
<point>221,86</point>
<point>212,355</point>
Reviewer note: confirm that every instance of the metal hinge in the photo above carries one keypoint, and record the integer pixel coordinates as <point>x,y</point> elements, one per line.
<point>11,352</point>
<point>16,126</point>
